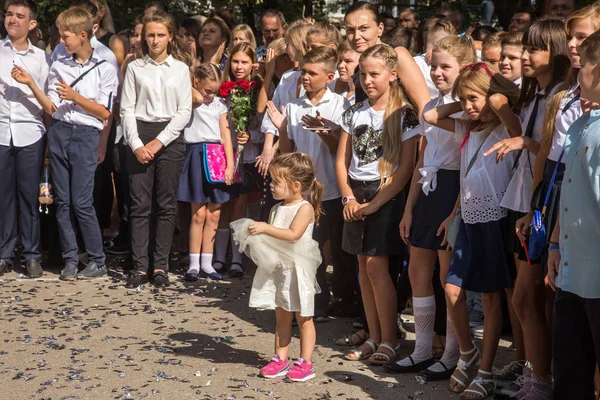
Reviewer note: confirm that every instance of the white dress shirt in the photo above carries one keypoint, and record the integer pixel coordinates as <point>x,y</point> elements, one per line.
<point>331,107</point>
<point>426,70</point>
<point>205,123</point>
<point>156,92</point>
<point>20,113</point>
<point>569,112</point>
<point>100,86</point>
<point>519,192</point>
<point>99,48</point>
<point>441,151</point>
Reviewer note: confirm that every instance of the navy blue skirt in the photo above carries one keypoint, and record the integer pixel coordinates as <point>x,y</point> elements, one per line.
<point>432,209</point>
<point>193,185</point>
<point>480,262</point>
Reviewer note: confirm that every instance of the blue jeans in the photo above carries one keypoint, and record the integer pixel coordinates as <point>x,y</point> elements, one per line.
<point>73,153</point>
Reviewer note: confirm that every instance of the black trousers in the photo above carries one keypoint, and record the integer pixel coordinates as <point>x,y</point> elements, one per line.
<point>103,183</point>
<point>331,226</point>
<point>575,346</point>
<point>154,184</point>
<point>121,178</point>
<point>19,185</point>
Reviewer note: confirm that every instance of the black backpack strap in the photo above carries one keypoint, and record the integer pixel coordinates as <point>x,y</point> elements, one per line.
<point>76,81</point>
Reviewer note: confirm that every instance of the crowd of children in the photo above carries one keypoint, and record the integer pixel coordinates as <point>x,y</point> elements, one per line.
<point>472,157</point>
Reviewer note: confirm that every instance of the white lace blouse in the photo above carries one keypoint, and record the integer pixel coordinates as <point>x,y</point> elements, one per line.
<point>481,191</point>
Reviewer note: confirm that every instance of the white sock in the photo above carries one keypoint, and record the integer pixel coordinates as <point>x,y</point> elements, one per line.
<point>451,352</point>
<point>194,263</point>
<point>206,263</point>
<point>221,245</point>
<point>424,312</point>
<point>236,256</point>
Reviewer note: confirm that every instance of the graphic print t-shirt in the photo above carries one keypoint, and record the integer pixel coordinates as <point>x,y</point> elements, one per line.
<point>365,125</point>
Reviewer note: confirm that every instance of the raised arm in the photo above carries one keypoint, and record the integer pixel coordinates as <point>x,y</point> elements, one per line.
<point>441,116</point>
<point>20,75</point>
<point>412,79</point>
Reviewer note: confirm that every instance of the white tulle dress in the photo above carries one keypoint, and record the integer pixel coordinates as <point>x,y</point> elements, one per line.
<point>286,276</point>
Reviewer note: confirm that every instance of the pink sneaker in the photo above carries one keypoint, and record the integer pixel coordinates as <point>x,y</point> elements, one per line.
<point>275,368</point>
<point>302,371</point>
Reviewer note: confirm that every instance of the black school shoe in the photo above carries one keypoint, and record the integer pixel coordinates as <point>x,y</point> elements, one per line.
<point>395,368</point>
<point>92,270</point>
<point>431,376</point>
<point>161,279</point>
<point>69,273</point>
<point>136,279</point>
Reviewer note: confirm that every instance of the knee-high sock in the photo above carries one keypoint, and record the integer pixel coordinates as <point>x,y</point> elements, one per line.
<point>451,352</point>
<point>424,311</point>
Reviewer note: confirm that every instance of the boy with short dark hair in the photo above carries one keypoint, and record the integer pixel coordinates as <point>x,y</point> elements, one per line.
<point>491,47</point>
<point>22,141</point>
<point>310,125</point>
<point>80,94</point>
<point>573,254</point>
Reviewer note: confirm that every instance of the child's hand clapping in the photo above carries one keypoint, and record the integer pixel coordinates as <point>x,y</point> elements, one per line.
<point>277,117</point>
<point>256,228</point>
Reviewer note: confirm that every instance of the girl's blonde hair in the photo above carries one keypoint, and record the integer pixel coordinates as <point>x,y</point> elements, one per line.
<point>394,110</point>
<point>173,48</point>
<point>107,20</point>
<point>296,34</point>
<point>591,12</point>
<point>484,79</point>
<point>326,32</point>
<point>247,31</point>
<point>208,71</point>
<point>245,48</point>
<point>297,167</point>
<point>278,45</point>
<point>459,47</point>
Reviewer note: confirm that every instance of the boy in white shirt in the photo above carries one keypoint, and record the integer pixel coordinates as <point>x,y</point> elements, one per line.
<point>510,57</point>
<point>310,125</point>
<point>21,139</point>
<point>80,95</point>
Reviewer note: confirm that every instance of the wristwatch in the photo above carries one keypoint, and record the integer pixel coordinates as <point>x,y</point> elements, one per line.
<point>346,199</point>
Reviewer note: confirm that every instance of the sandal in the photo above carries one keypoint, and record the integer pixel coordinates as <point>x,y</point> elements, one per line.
<point>482,387</point>
<point>358,354</point>
<point>461,371</point>
<point>349,340</point>
<point>374,360</point>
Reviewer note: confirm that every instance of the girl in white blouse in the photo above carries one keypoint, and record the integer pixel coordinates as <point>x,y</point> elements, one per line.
<point>156,106</point>
<point>545,65</point>
<point>479,262</point>
<point>209,125</point>
<point>434,188</point>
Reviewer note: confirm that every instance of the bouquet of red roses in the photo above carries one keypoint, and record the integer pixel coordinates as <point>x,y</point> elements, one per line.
<point>242,96</point>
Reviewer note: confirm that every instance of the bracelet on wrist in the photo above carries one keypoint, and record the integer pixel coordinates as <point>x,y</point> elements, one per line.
<point>552,243</point>
<point>553,247</point>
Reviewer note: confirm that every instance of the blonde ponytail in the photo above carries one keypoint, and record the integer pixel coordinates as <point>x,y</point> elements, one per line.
<point>394,110</point>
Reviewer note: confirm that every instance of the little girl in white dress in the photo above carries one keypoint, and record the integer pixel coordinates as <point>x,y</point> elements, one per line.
<point>287,258</point>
